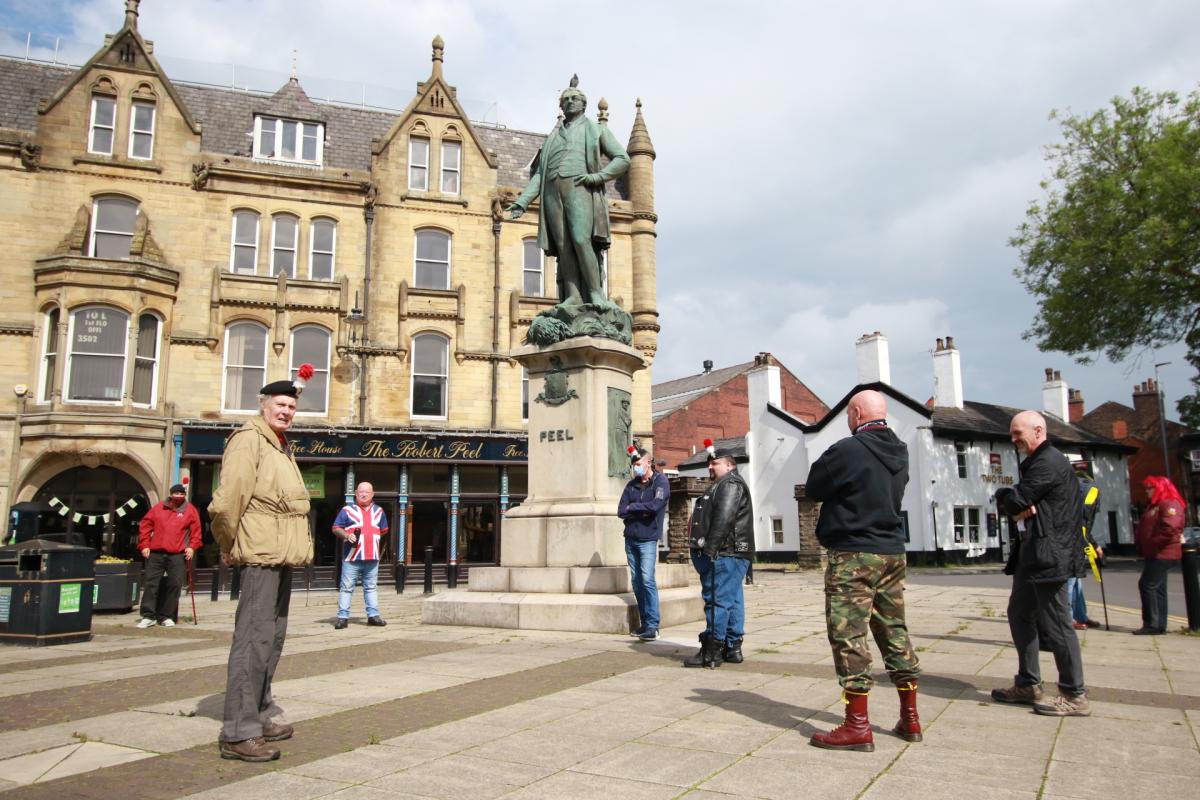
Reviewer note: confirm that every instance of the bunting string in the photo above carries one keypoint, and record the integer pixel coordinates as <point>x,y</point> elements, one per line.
<point>91,519</point>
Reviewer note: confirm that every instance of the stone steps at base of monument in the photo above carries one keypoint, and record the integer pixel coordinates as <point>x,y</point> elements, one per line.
<point>587,613</point>
<point>572,580</point>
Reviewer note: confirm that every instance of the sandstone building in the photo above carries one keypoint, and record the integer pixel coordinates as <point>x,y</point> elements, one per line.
<point>172,247</point>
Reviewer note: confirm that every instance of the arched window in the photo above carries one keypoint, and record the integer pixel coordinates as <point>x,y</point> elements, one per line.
<point>141,129</point>
<point>451,166</point>
<point>245,365</point>
<point>534,272</point>
<point>96,360</point>
<point>243,248</point>
<point>113,219</point>
<point>322,243</point>
<point>49,354</point>
<point>430,374</point>
<point>310,344</point>
<point>145,362</point>
<point>431,268</point>
<point>284,229</point>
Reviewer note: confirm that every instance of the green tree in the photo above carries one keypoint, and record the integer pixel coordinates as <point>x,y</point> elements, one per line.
<point>1112,252</point>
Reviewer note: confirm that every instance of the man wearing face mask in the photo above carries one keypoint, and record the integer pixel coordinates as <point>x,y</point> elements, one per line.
<point>643,506</point>
<point>168,535</point>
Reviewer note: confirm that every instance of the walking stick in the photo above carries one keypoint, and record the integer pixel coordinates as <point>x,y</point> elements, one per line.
<point>192,589</point>
<point>1103,599</point>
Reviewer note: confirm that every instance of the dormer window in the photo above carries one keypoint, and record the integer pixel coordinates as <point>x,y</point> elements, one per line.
<point>288,140</point>
<point>103,127</point>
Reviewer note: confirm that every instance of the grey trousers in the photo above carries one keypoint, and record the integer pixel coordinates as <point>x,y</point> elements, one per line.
<point>258,633</point>
<point>1046,605</point>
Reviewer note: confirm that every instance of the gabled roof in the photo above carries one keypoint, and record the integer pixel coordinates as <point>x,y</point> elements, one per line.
<point>992,421</point>
<point>292,102</point>
<point>125,51</point>
<point>672,395</point>
<point>735,445</point>
<point>884,388</point>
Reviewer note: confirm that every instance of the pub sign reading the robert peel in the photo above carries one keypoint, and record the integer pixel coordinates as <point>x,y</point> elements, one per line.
<point>210,443</point>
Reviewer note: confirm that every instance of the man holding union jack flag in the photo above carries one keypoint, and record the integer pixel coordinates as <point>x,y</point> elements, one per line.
<point>360,525</point>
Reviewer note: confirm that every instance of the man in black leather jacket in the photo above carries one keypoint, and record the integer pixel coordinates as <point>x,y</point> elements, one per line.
<point>1049,511</point>
<point>722,543</point>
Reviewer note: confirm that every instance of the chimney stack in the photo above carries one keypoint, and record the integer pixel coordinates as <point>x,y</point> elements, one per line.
<point>871,357</point>
<point>947,375</point>
<point>707,366</point>
<point>1145,399</point>
<point>1075,408</point>
<point>1054,395</point>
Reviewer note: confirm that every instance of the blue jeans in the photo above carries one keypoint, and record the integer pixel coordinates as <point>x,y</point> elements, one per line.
<point>642,558</point>
<point>721,582</point>
<point>351,572</point>
<point>1077,600</point>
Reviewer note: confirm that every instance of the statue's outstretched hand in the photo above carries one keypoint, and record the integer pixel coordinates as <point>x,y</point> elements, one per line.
<point>591,180</point>
<point>515,211</point>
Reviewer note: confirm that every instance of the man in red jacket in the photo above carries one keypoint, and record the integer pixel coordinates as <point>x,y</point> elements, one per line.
<point>167,535</point>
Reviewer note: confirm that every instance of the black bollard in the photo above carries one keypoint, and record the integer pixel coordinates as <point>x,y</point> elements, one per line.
<point>429,570</point>
<point>401,575</point>
<point>218,579</point>
<point>1191,584</point>
<point>235,583</point>
<point>452,576</point>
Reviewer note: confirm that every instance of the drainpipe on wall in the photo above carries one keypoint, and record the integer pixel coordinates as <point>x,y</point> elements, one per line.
<point>495,314</point>
<point>13,470</point>
<point>369,216</point>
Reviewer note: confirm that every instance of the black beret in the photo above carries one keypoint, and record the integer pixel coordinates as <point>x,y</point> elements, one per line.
<point>178,489</point>
<point>722,452</point>
<point>280,387</point>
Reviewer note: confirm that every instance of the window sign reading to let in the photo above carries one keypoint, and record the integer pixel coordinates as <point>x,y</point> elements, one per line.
<point>98,343</point>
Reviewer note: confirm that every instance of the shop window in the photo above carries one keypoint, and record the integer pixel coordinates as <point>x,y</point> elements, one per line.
<point>284,229</point>
<point>310,345</point>
<point>113,220</point>
<point>145,361</point>
<point>322,241</point>
<point>384,477</point>
<point>103,125</point>
<point>429,479</point>
<point>477,532</point>
<point>418,164</point>
<point>288,140</point>
<point>478,480</point>
<point>245,365</point>
<point>533,281</point>
<point>430,374</point>
<point>243,251</point>
<point>451,167</point>
<point>777,530</point>
<point>960,524</point>
<point>518,481</point>
<point>141,130</point>
<point>431,269</point>
<point>973,525</point>
<point>96,360</point>
<point>50,322</point>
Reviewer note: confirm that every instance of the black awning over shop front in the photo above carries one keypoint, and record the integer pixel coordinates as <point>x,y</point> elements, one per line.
<point>209,443</point>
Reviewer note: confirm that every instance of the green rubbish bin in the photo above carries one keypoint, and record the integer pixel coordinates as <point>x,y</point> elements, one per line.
<point>46,593</point>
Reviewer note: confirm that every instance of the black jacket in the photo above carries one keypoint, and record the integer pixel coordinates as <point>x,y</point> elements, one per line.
<point>723,519</point>
<point>860,482</point>
<point>1051,546</point>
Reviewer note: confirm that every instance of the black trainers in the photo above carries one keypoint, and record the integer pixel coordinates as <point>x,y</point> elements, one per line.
<point>376,622</point>
<point>648,635</point>
<point>341,623</point>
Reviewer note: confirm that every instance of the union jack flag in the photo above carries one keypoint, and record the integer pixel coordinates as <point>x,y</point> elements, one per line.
<point>368,528</point>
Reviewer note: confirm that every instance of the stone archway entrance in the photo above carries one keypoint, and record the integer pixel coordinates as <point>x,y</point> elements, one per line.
<point>89,494</point>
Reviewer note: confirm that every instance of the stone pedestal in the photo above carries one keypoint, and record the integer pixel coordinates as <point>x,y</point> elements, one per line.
<point>562,551</point>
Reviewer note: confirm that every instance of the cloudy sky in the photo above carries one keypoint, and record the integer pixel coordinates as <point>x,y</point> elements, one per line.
<point>824,169</point>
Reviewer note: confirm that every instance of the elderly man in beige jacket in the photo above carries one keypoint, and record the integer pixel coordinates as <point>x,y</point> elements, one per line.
<point>260,521</point>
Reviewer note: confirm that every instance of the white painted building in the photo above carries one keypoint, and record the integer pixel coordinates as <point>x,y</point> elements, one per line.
<point>959,455</point>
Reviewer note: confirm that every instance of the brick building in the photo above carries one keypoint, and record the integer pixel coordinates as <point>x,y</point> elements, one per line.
<point>170,248</point>
<point>714,404</point>
<point>1141,427</point>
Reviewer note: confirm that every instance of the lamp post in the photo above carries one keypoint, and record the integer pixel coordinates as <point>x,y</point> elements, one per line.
<point>1162,419</point>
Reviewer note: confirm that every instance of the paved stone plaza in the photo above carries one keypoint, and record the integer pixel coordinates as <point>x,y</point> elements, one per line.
<point>411,711</point>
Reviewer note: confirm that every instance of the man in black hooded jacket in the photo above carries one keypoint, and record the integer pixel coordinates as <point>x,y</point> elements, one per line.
<point>1048,507</point>
<point>860,481</point>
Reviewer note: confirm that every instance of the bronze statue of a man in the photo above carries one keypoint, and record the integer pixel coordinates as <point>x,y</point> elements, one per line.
<point>567,175</point>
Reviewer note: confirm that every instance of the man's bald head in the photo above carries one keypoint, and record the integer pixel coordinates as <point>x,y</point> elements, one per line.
<point>1027,431</point>
<point>864,407</point>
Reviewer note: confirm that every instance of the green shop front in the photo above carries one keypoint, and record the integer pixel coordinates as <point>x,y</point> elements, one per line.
<point>443,491</point>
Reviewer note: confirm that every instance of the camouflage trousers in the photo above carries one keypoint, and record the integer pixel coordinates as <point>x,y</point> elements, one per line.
<point>867,590</point>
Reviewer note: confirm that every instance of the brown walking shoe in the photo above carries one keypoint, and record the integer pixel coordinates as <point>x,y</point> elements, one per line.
<point>277,731</point>
<point>1019,695</point>
<point>249,750</point>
